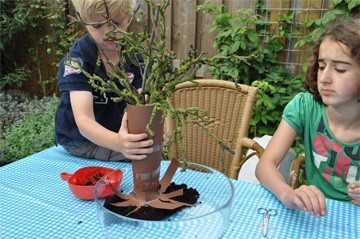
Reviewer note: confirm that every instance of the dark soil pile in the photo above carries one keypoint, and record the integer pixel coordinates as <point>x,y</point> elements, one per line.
<point>92,179</point>
<point>190,196</point>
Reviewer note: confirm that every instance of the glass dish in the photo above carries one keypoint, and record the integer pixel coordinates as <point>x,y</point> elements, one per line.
<point>208,219</point>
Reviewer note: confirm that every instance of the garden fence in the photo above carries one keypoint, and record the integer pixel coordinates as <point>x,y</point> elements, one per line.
<point>186,26</point>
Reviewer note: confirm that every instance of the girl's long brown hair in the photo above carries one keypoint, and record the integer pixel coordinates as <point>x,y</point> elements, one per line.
<point>348,33</point>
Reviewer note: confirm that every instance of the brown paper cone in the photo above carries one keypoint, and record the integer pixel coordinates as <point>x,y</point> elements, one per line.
<point>146,173</point>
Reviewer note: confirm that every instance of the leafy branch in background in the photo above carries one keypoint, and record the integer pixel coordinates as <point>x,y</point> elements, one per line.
<point>12,21</point>
<point>15,78</point>
<point>340,8</point>
<point>63,33</point>
<point>57,41</point>
<point>34,17</point>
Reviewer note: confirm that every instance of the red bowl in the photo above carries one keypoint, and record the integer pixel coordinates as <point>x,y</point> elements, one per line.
<point>83,181</point>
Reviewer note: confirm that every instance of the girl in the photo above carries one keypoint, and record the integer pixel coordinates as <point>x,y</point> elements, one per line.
<point>328,121</point>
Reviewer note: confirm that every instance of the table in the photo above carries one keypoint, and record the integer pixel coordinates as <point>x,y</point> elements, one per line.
<point>36,203</point>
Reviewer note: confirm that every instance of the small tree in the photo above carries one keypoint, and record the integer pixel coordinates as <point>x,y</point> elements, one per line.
<point>159,77</point>
<point>148,51</point>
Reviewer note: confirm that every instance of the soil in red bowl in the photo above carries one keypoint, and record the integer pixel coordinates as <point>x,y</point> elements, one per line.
<point>92,179</point>
<point>83,181</point>
<point>88,176</point>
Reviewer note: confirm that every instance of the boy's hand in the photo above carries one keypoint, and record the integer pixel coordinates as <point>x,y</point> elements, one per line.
<point>133,146</point>
<point>353,190</point>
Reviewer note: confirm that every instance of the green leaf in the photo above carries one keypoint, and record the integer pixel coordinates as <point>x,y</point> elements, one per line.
<point>235,47</point>
<point>243,45</point>
<point>353,4</point>
<point>253,37</point>
<point>336,2</point>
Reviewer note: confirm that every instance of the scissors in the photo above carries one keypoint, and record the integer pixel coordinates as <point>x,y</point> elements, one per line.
<point>267,214</point>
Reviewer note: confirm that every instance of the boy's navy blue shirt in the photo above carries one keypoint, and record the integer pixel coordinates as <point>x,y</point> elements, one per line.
<point>107,112</point>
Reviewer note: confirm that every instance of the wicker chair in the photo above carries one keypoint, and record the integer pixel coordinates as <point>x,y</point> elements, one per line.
<point>297,172</point>
<point>231,108</point>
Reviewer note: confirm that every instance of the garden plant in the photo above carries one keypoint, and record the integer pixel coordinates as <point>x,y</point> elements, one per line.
<point>246,33</point>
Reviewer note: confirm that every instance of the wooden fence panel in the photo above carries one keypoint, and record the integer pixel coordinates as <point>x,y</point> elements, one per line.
<point>279,7</point>
<point>204,38</point>
<point>234,5</point>
<point>184,22</point>
<point>190,27</point>
<point>308,10</point>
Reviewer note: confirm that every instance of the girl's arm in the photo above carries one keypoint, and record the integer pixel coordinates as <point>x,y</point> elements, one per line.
<point>307,198</point>
<point>132,146</point>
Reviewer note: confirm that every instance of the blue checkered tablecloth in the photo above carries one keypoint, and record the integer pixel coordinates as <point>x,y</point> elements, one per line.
<point>36,203</point>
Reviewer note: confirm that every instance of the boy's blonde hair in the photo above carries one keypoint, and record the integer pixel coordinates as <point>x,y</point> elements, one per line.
<point>90,9</point>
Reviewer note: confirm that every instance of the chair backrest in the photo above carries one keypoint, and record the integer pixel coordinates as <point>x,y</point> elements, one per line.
<point>230,108</point>
<point>297,173</point>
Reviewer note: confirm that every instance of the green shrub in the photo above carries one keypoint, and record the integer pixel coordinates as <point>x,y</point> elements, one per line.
<point>15,78</point>
<point>14,106</point>
<point>35,132</point>
<point>248,48</point>
<point>275,91</point>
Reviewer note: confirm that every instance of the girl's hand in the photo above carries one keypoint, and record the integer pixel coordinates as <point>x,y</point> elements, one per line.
<point>353,190</point>
<point>306,198</point>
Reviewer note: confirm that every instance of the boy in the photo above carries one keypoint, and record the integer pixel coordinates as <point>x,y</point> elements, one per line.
<point>87,123</point>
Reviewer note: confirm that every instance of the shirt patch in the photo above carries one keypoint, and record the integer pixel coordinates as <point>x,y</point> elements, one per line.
<point>130,76</point>
<point>74,68</point>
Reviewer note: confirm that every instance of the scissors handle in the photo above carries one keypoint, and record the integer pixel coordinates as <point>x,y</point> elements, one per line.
<point>272,212</point>
<point>262,210</point>
<point>265,226</point>
<point>267,214</point>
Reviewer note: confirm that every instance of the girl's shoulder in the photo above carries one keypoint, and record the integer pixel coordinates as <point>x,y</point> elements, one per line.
<point>304,97</point>
<point>306,100</point>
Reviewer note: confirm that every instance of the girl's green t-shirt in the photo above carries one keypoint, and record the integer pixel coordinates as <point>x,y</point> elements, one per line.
<point>330,164</point>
